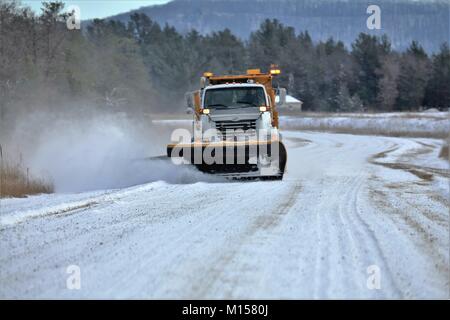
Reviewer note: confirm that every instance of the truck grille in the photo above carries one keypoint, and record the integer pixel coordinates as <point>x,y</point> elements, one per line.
<point>228,128</point>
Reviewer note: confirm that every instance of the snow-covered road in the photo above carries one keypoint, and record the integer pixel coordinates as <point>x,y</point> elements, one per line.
<point>348,203</point>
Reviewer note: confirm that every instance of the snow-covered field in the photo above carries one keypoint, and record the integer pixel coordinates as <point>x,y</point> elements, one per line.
<point>348,203</point>
<point>430,125</point>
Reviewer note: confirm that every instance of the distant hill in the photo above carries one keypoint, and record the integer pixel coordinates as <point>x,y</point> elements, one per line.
<point>402,20</point>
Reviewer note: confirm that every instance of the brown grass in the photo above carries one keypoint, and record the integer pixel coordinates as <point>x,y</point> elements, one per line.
<point>366,131</point>
<point>402,115</point>
<point>444,154</point>
<point>16,181</point>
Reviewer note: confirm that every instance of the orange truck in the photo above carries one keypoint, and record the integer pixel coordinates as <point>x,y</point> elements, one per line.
<point>235,131</point>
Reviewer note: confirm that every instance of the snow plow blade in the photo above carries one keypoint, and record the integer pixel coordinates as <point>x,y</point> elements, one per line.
<point>264,160</point>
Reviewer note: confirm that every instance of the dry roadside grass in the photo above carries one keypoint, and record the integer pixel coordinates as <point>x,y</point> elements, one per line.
<point>444,154</point>
<point>362,115</point>
<point>366,131</point>
<point>16,181</point>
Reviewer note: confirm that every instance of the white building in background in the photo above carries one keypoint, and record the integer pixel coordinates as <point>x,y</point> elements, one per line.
<point>291,103</point>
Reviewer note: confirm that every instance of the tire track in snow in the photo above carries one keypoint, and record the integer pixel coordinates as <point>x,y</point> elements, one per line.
<point>261,231</point>
<point>188,239</point>
<point>369,241</point>
<point>419,218</point>
<point>341,230</point>
<point>183,238</point>
<point>321,264</point>
<point>403,163</point>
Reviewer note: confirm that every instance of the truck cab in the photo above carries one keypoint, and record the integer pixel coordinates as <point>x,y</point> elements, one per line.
<point>235,110</point>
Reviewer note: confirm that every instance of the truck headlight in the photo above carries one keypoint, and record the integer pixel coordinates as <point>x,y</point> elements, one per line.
<point>205,111</point>
<point>263,108</point>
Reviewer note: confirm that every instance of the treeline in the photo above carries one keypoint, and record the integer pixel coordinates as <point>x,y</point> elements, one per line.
<point>144,66</point>
<point>46,65</point>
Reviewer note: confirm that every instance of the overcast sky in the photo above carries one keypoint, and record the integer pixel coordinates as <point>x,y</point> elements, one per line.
<point>99,8</point>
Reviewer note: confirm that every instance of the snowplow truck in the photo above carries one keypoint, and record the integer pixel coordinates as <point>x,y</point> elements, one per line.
<point>235,129</point>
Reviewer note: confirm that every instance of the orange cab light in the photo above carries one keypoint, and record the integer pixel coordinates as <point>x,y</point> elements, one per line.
<point>253,71</point>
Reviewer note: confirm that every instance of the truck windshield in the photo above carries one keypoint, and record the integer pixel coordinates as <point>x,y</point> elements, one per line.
<point>232,98</point>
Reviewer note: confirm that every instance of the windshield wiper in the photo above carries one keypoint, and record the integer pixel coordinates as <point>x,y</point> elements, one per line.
<point>218,106</point>
<point>248,103</point>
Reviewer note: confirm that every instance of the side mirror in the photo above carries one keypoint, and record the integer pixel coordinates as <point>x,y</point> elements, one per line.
<point>203,81</point>
<point>189,100</point>
<point>282,95</point>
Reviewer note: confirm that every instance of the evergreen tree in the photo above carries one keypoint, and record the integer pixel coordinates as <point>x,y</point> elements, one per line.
<point>413,77</point>
<point>387,86</point>
<point>368,53</point>
<point>438,88</point>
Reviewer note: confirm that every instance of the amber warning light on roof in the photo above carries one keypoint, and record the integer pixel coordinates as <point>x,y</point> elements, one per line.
<point>275,72</point>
